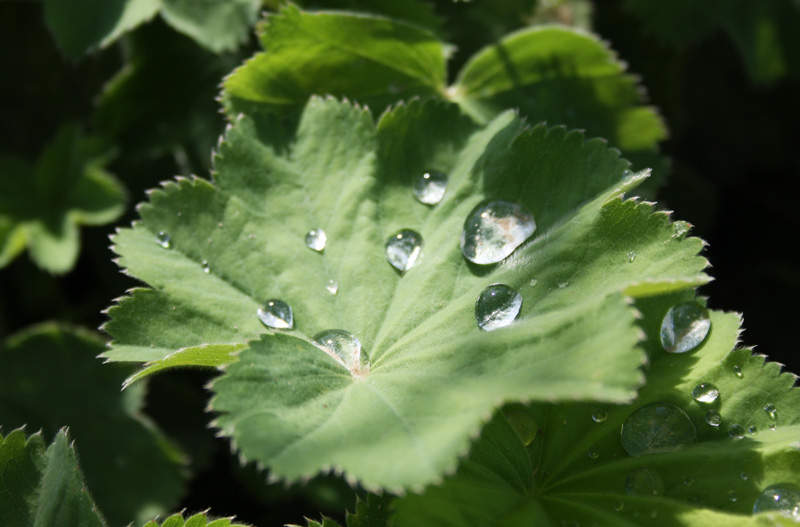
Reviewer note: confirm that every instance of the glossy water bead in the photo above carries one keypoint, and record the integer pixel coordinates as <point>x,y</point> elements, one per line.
<point>429,187</point>
<point>684,327</point>
<point>783,498</point>
<point>276,314</point>
<point>657,427</point>
<point>493,230</point>
<point>497,306</point>
<point>344,347</point>
<point>316,239</point>
<point>403,249</point>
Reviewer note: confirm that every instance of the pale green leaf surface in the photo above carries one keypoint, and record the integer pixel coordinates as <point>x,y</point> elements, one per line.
<point>219,25</point>
<point>435,376</point>
<point>41,206</point>
<point>197,520</point>
<point>131,469</point>
<point>571,486</point>
<point>210,356</point>
<point>43,487</point>
<point>369,59</point>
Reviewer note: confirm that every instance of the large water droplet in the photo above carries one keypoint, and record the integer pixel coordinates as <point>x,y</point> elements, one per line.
<point>772,412</point>
<point>316,239</point>
<point>705,393</point>
<point>344,347</point>
<point>493,230</point>
<point>429,187</point>
<point>736,431</point>
<point>713,418</point>
<point>332,286</point>
<point>403,249</point>
<point>684,327</point>
<point>783,498</point>
<point>657,427</point>
<point>644,482</point>
<point>163,239</point>
<point>497,306</point>
<point>276,314</point>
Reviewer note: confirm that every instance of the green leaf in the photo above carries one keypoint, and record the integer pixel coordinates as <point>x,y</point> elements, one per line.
<point>131,469</point>
<point>196,520</point>
<point>713,482</point>
<point>43,486</point>
<point>209,356</point>
<point>419,12</point>
<point>42,206</point>
<point>82,26</point>
<point>373,60</point>
<point>435,377</point>
<point>371,511</point>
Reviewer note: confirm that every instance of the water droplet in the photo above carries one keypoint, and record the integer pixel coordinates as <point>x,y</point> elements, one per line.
<point>753,430</point>
<point>705,393</point>
<point>772,412</point>
<point>732,496</point>
<point>773,426</point>
<point>688,480</point>
<point>644,482</point>
<point>737,370</point>
<point>631,256</point>
<point>497,307</point>
<point>657,427</point>
<point>344,347</point>
<point>332,286</point>
<point>736,431</point>
<point>163,239</point>
<point>713,418</point>
<point>316,240</point>
<point>429,187</point>
<point>783,498</point>
<point>533,282</point>
<point>593,453</point>
<point>680,229</point>
<point>744,476</point>
<point>619,506</point>
<point>493,230</point>
<point>276,314</point>
<point>684,327</point>
<point>563,284</point>
<point>598,415</point>
<point>206,267</point>
<point>403,249</point>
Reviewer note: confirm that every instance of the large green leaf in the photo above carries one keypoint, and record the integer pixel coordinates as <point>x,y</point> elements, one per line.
<point>43,485</point>
<point>196,520</point>
<point>435,376</point>
<point>581,469</point>
<point>41,206</point>
<point>50,378</point>
<point>81,26</point>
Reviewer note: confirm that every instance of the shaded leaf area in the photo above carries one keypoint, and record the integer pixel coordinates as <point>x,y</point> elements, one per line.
<point>373,60</point>
<point>764,32</point>
<point>196,520</point>
<point>51,378</point>
<point>371,511</point>
<point>42,485</point>
<point>162,101</point>
<point>575,469</point>
<point>82,26</point>
<point>42,205</point>
<point>435,377</point>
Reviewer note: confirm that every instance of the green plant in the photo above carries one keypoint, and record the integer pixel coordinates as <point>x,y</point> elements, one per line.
<point>573,394</point>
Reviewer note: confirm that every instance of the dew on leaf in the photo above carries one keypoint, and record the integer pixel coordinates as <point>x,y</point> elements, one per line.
<point>744,476</point>
<point>163,239</point>
<point>316,239</point>
<point>276,314</point>
<point>563,284</point>
<point>631,256</point>
<point>713,418</point>
<point>332,286</point>
<point>599,415</point>
<point>773,426</point>
<point>644,482</point>
<point>344,347</point>
<point>493,230</point>
<point>533,282</point>
<point>737,370</point>
<point>206,266</point>
<point>619,506</point>
<point>736,431</point>
<point>753,430</point>
<point>705,393</point>
<point>497,306</point>
<point>732,496</point>
<point>684,327</point>
<point>403,249</point>
<point>592,453</point>
<point>680,229</point>
<point>688,480</point>
<point>429,187</point>
<point>657,427</point>
<point>772,412</point>
<point>783,498</point>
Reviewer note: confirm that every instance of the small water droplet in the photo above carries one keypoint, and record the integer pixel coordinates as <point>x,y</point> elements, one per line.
<point>753,430</point>
<point>493,230</point>
<point>429,187</point>
<point>713,418</point>
<point>705,393</point>
<point>737,370</point>
<point>533,282</point>
<point>276,314</point>
<point>163,239</point>
<point>619,506</point>
<point>772,412</point>
<point>684,327</point>
<point>744,476</point>
<point>732,496</point>
<point>497,306</point>
<point>403,249</point>
<point>563,284</point>
<point>631,256</point>
<point>644,482</point>
<point>688,480</point>
<point>206,267</point>
<point>599,415</point>
<point>316,240</point>
<point>332,286</point>
<point>593,453</point>
<point>736,431</point>
<point>344,347</point>
<point>773,426</point>
<point>680,229</point>
<point>657,427</point>
<point>783,498</point>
